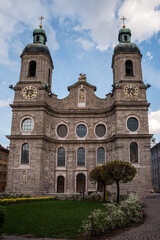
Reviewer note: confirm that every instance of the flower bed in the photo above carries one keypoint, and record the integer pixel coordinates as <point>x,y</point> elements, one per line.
<point>7,201</point>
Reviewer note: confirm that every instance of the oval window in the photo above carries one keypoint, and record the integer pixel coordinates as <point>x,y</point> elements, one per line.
<point>81,130</point>
<point>27,125</point>
<point>132,124</point>
<point>62,130</point>
<point>100,130</point>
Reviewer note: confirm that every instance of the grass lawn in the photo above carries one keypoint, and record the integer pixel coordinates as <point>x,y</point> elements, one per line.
<point>59,219</point>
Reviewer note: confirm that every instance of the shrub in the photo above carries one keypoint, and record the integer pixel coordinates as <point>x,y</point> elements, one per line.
<point>132,207</point>
<point>94,197</point>
<point>2,215</point>
<point>115,216</point>
<point>12,195</point>
<point>79,197</point>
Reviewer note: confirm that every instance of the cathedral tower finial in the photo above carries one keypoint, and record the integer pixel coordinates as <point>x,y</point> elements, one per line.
<point>123,19</point>
<point>41,18</point>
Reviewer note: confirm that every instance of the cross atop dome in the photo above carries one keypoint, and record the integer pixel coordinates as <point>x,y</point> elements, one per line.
<point>41,18</point>
<point>123,19</point>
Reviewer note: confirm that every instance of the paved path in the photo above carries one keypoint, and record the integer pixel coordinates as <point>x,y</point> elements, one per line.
<point>150,230</point>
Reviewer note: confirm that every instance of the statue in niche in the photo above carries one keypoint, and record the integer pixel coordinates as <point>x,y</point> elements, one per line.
<point>81,95</point>
<point>24,176</point>
<point>46,176</point>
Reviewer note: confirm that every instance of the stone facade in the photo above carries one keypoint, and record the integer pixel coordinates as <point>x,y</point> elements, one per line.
<point>155,166</point>
<point>58,158</point>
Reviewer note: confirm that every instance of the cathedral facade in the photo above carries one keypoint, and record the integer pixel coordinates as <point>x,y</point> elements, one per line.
<point>55,143</point>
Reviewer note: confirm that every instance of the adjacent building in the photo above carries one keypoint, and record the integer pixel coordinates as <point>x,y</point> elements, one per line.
<point>54,143</point>
<point>3,167</point>
<point>155,167</point>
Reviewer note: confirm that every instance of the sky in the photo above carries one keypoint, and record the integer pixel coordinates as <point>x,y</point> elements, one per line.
<point>81,36</point>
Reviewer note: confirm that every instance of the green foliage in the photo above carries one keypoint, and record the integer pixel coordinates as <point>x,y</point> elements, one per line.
<point>94,197</point>
<point>78,197</point>
<point>132,207</point>
<point>12,195</point>
<point>2,215</point>
<point>120,171</point>
<point>115,216</point>
<point>100,175</point>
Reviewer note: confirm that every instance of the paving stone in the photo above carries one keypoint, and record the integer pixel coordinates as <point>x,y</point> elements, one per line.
<point>150,230</point>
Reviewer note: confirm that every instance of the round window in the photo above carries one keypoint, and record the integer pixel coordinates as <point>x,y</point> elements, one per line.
<point>81,130</point>
<point>62,130</point>
<point>27,125</point>
<point>100,130</point>
<point>132,124</point>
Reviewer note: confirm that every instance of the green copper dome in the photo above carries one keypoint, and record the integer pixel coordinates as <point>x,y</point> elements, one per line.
<point>39,36</point>
<point>124,35</point>
<point>125,45</point>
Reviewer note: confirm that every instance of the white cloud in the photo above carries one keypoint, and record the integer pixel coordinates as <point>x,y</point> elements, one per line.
<point>100,19</point>
<point>87,45</point>
<point>97,18</point>
<point>4,103</point>
<point>95,21</point>
<point>16,18</point>
<point>154,122</point>
<point>80,56</point>
<point>149,55</point>
<point>143,17</point>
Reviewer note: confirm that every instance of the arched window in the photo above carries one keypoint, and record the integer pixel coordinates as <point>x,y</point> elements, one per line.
<point>100,156</point>
<point>37,38</point>
<point>129,68</point>
<point>125,38</point>
<point>60,184</point>
<point>49,75</point>
<point>134,152</point>
<point>32,68</point>
<point>81,157</point>
<point>25,153</point>
<point>80,183</point>
<point>61,157</point>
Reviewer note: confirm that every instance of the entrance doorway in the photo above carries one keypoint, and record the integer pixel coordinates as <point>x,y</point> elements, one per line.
<point>60,184</point>
<point>80,183</point>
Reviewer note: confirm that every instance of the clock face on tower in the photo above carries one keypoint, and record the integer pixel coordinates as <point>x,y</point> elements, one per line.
<point>130,90</point>
<point>29,92</point>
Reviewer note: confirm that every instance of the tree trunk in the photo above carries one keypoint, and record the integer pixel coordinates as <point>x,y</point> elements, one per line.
<point>117,192</point>
<point>104,192</point>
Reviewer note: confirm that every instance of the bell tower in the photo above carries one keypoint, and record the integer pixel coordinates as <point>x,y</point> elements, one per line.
<point>36,63</point>
<point>132,138</point>
<point>126,61</point>
<point>32,95</point>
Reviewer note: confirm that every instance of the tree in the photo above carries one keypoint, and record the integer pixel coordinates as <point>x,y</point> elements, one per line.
<point>120,171</point>
<point>100,175</point>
